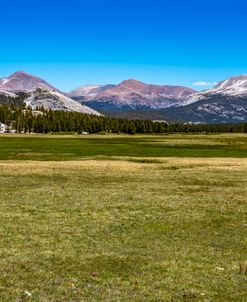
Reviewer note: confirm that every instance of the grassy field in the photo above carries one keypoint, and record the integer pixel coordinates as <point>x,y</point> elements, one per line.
<point>51,147</point>
<point>123,218</point>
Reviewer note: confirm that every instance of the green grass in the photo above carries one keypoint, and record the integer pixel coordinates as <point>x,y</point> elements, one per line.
<point>44,147</point>
<point>136,228</point>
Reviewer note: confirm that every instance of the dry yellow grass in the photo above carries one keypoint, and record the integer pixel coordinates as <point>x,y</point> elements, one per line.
<point>128,229</point>
<point>122,164</point>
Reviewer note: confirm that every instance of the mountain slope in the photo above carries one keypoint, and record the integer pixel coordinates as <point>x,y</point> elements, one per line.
<point>130,94</point>
<point>212,110</point>
<point>7,98</point>
<point>7,93</point>
<point>22,81</point>
<point>232,87</point>
<point>50,99</point>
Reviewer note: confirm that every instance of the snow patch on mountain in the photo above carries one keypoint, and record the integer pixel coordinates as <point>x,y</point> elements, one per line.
<point>234,87</point>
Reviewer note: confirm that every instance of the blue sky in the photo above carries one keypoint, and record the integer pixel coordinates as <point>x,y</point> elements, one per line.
<point>71,43</point>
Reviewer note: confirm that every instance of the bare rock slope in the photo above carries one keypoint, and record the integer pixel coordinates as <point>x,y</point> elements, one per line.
<point>50,99</point>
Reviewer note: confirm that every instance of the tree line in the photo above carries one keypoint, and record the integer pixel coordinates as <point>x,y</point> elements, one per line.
<point>25,120</point>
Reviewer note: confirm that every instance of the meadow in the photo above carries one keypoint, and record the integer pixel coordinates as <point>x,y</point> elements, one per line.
<point>123,218</point>
<point>74,147</point>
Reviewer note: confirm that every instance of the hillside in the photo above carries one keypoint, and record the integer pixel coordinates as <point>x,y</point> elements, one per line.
<point>50,99</point>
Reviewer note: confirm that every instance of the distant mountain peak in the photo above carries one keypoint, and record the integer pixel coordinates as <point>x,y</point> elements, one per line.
<point>132,81</point>
<point>20,72</point>
<point>132,84</point>
<point>131,94</point>
<point>236,82</point>
<point>24,74</point>
<point>232,87</point>
<point>23,81</point>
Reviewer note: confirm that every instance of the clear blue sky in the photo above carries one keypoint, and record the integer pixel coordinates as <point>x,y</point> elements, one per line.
<point>71,43</point>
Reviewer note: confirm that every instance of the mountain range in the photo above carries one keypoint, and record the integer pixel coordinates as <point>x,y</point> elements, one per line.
<point>226,102</point>
<point>130,94</point>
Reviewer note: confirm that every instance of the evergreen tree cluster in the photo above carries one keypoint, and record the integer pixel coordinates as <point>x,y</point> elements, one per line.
<point>25,120</point>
